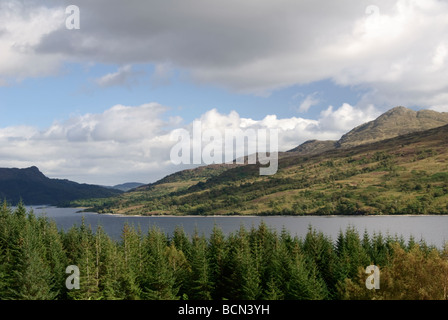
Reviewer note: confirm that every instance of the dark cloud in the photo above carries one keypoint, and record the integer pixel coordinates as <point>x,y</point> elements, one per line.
<point>198,34</point>
<point>256,46</point>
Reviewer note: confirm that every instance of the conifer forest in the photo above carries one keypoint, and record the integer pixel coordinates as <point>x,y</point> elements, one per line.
<point>250,264</point>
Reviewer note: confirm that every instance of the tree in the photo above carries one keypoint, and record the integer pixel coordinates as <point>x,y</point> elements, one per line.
<point>304,282</point>
<point>412,275</point>
<point>217,255</point>
<point>33,279</point>
<point>55,255</point>
<point>81,240</point>
<point>200,286</point>
<point>180,266</point>
<point>5,250</point>
<point>158,277</point>
<point>181,241</point>
<point>272,292</point>
<point>318,250</point>
<point>250,260</point>
<point>351,252</point>
<point>132,267</point>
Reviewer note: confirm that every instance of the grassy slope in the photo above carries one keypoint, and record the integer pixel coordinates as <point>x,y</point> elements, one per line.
<point>403,175</point>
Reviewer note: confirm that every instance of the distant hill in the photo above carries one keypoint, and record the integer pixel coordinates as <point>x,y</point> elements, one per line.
<point>393,123</point>
<point>33,187</point>
<point>127,186</point>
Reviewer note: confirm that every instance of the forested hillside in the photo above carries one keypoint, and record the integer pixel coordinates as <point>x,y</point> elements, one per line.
<point>403,175</point>
<point>249,264</point>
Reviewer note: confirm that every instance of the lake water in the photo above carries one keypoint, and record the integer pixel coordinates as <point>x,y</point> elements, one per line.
<point>433,229</point>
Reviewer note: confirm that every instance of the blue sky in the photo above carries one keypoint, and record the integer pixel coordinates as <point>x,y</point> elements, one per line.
<point>97,104</point>
<point>74,91</point>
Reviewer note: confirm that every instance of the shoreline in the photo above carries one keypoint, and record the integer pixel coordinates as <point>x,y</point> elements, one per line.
<point>261,216</point>
<point>80,210</point>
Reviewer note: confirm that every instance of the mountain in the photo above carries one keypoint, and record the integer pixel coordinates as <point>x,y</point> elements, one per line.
<point>406,174</point>
<point>393,123</point>
<point>127,186</point>
<point>33,187</point>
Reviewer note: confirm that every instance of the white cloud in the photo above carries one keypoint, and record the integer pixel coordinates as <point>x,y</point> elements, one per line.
<point>345,118</point>
<point>99,148</point>
<point>126,143</point>
<point>309,101</point>
<point>124,76</point>
<point>22,29</point>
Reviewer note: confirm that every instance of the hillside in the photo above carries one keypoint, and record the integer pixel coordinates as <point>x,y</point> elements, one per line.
<point>33,187</point>
<point>314,147</point>
<point>393,123</point>
<point>402,175</point>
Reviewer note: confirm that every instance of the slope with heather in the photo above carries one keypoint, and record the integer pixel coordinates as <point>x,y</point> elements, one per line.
<point>403,175</point>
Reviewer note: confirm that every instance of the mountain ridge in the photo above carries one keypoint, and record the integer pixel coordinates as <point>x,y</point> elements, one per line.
<point>393,123</point>
<point>32,187</point>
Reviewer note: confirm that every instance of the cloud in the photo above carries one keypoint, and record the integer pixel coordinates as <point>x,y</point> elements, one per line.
<point>163,72</point>
<point>345,117</point>
<point>309,101</point>
<point>119,124</point>
<point>397,53</point>
<point>23,28</point>
<point>125,76</point>
<point>123,141</point>
<point>132,143</point>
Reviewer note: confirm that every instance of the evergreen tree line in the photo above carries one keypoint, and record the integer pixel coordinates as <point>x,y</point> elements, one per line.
<point>253,264</point>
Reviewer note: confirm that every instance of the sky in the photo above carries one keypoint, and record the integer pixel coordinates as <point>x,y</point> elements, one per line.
<point>97,102</point>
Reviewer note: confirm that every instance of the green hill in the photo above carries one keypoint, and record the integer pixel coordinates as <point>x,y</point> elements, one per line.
<point>407,174</point>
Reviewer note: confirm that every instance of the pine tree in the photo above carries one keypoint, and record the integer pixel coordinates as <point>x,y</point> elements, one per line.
<point>272,292</point>
<point>367,245</point>
<point>232,271</point>
<point>304,282</point>
<point>181,241</point>
<point>217,255</point>
<point>351,253</point>
<point>250,261</point>
<point>200,285</point>
<point>159,280</point>
<point>32,274</point>
<point>380,250</point>
<point>132,250</point>
<point>264,242</point>
<point>180,267</point>
<point>5,255</point>
<point>115,279</point>
<point>319,250</point>
<point>55,256</point>
<point>82,242</point>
